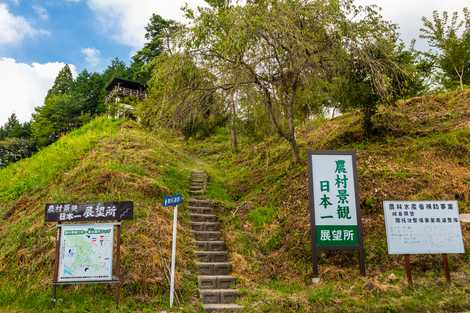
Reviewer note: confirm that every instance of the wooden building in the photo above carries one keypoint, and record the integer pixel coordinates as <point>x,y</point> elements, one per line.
<point>122,94</point>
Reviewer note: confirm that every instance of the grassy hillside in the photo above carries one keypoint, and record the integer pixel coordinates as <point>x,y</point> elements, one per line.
<point>421,151</point>
<point>104,160</point>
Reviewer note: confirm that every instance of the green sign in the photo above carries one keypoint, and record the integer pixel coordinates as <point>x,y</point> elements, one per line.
<point>334,205</point>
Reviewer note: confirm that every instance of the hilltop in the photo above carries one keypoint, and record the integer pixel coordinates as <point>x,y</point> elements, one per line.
<point>420,150</point>
<point>104,160</point>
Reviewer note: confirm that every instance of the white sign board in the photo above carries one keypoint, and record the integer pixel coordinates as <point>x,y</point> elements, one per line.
<point>334,199</point>
<point>423,227</point>
<point>86,253</point>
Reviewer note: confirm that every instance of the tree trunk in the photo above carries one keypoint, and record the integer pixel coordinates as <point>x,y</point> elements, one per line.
<point>233,128</point>
<point>292,139</point>
<point>367,121</point>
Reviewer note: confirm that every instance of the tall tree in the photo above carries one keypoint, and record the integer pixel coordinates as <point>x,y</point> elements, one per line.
<point>63,83</point>
<point>450,35</point>
<point>159,35</point>
<point>284,49</point>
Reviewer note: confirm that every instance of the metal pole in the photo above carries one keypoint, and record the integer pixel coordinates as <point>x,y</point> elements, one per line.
<point>173,257</point>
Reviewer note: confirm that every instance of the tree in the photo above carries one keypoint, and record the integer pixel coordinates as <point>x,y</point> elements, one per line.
<point>63,83</point>
<point>181,96</point>
<point>88,93</point>
<point>377,68</point>
<point>159,35</point>
<point>285,49</point>
<point>117,68</point>
<point>450,35</point>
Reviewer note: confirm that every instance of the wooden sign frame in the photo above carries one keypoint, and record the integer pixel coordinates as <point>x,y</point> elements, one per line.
<point>315,248</point>
<point>116,265</point>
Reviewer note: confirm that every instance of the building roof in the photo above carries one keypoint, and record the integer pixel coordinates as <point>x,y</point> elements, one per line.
<point>125,83</point>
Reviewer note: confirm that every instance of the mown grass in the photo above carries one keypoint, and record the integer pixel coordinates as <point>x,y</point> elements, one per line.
<point>105,160</point>
<point>420,150</point>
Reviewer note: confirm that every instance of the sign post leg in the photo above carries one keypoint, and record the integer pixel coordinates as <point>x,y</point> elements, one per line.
<point>56,264</point>
<point>173,257</point>
<point>408,270</point>
<point>118,265</point>
<point>316,272</point>
<point>362,260</point>
<point>445,264</point>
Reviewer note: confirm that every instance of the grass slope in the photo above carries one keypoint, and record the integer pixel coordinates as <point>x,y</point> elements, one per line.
<point>104,160</point>
<point>421,151</point>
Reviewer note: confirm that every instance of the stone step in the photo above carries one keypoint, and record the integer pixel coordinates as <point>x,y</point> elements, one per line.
<point>214,268</point>
<point>211,245</point>
<point>206,235</point>
<point>201,210</point>
<point>216,281</point>
<point>203,217</point>
<point>212,256</point>
<point>222,307</point>
<point>205,226</point>
<point>219,296</point>
<point>198,202</point>
<point>196,193</point>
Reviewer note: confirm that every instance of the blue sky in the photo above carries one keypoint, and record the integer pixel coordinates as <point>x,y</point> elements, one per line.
<point>38,37</point>
<point>67,29</point>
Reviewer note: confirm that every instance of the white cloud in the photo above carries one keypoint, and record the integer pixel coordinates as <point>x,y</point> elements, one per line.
<point>13,29</point>
<point>41,12</point>
<point>408,14</point>
<point>92,57</point>
<point>24,86</point>
<point>125,20</point>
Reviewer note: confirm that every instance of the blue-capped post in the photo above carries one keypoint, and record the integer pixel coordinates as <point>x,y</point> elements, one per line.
<point>174,201</point>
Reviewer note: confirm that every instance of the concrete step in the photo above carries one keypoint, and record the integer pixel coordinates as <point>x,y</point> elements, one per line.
<point>222,308</point>
<point>206,235</point>
<point>211,245</point>
<point>216,282</point>
<point>205,226</point>
<point>219,296</point>
<point>196,193</point>
<point>212,256</point>
<point>199,202</point>
<point>201,210</point>
<point>214,268</point>
<point>203,217</point>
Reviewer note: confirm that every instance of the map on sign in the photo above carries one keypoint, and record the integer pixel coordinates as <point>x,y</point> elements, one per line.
<point>86,253</point>
<point>423,227</point>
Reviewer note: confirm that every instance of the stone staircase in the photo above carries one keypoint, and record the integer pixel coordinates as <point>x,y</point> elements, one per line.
<point>216,285</point>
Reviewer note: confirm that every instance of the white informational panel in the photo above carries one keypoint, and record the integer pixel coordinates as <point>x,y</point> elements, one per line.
<point>86,253</point>
<point>423,227</point>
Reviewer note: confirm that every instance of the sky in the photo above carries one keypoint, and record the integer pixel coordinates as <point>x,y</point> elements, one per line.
<point>38,37</point>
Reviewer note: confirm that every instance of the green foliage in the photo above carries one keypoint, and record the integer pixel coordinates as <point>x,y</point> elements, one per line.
<point>181,96</point>
<point>34,174</point>
<point>160,33</point>
<point>261,216</point>
<point>450,35</point>
<point>63,82</point>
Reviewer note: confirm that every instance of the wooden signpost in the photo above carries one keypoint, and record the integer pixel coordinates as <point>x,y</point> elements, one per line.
<point>84,253</point>
<point>423,227</point>
<point>335,215</point>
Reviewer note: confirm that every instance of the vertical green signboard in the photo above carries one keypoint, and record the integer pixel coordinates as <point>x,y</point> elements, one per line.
<point>334,204</point>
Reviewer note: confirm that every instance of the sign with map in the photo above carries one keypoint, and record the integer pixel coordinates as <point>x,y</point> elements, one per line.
<point>423,227</point>
<point>86,253</point>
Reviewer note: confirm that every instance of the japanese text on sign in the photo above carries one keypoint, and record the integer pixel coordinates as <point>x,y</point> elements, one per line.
<point>69,212</point>
<point>423,227</point>
<point>334,200</point>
